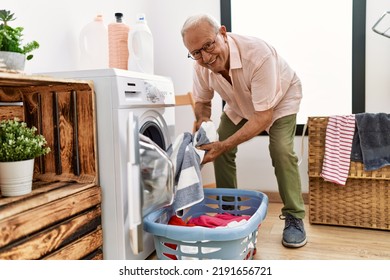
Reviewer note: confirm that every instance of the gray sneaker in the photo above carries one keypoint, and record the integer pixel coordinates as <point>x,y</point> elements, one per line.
<point>294,235</point>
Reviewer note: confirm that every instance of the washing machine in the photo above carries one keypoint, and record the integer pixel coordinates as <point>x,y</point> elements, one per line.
<point>135,117</point>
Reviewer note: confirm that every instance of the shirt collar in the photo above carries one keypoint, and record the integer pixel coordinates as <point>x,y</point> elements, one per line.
<point>235,58</point>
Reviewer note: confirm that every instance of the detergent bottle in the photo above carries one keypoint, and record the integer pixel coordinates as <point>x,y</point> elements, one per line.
<point>118,33</point>
<point>141,53</point>
<point>93,43</point>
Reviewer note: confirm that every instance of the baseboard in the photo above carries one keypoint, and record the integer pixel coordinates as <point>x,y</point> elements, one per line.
<point>209,186</point>
<point>273,197</point>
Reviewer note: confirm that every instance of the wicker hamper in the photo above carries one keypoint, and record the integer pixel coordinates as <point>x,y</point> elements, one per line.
<point>363,202</point>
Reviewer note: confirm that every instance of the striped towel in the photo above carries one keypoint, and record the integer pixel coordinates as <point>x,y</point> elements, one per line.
<point>186,159</point>
<point>338,145</point>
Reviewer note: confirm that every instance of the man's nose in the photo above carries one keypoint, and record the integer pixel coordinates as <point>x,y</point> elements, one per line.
<point>206,56</point>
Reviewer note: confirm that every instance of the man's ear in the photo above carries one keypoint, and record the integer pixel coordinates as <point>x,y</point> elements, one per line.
<point>222,29</point>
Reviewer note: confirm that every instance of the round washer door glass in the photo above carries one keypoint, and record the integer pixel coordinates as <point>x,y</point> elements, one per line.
<point>153,131</point>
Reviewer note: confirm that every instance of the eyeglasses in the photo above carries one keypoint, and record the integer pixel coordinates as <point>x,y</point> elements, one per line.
<point>208,47</point>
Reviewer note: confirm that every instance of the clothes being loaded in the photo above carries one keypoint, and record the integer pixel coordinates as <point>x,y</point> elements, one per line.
<point>186,159</point>
<point>215,221</point>
<point>218,220</point>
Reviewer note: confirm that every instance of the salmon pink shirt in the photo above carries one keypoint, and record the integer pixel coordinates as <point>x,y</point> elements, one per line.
<point>261,80</point>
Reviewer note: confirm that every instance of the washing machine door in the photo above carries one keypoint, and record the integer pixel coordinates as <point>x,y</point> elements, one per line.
<point>150,181</point>
<point>157,176</point>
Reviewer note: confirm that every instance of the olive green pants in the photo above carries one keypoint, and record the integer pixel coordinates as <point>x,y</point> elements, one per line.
<point>284,161</point>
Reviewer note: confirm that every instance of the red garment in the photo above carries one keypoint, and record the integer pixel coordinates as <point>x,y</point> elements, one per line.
<point>219,220</point>
<point>175,221</point>
<point>205,221</point>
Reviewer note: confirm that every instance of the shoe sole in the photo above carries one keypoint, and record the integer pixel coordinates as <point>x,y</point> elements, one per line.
<point>294,245</point>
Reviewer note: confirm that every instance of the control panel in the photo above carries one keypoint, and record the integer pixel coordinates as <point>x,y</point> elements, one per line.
<point>135,92</point>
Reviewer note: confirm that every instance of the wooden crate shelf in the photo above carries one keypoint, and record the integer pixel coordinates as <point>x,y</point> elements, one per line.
<point>61,217</point>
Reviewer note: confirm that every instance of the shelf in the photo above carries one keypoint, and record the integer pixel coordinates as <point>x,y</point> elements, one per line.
<point>61,217</point>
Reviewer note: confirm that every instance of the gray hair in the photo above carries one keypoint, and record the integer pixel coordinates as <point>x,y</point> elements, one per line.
<point>195,20</point>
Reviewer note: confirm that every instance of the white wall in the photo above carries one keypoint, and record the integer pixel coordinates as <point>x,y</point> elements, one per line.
<point>377,60</point>
<point>56,26</point>
<point>315,59</point>
<point>377,100</point>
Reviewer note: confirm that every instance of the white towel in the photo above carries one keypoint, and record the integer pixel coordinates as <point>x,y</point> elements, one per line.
<point>187,160</point>
<point>206,134</point>
<point>338,145</point>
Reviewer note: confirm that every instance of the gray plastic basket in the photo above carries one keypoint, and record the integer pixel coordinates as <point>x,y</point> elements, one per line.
<point>180,242</point>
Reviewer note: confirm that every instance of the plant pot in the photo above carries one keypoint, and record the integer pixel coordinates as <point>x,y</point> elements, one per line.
<point>12,61</point>
<point>16,177</point>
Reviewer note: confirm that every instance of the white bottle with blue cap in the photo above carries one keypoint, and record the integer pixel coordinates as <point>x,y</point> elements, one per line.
<point>141,52</point>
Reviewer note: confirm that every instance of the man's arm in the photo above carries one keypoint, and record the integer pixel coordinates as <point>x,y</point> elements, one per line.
<point>202,113</point>
<point>257,123</point>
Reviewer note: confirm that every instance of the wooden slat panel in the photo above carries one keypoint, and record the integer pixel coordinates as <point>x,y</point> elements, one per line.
<point>15,80</point>
<point>33,220</point>
<point>47,128</point>
<point>80,248</point>
<point>83,178</point>
<point>62,87</point>
<point>36,92</point>
<point>49,240</point>
<point>11,112</point>
<point>96,255</point>
<point>10,95</point>
<point>52,215</point>
<point>31,109</point>
<point>65,128</point>
<point>10,206</point>
<point>86,132</point>
<point>66,131</point>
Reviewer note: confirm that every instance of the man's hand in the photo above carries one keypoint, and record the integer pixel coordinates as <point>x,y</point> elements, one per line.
<point>256,123</point>
<point>213,150</point>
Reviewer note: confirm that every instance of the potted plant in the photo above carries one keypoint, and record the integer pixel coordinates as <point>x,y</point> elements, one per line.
<point>13,53</point>
<point>19,146</point>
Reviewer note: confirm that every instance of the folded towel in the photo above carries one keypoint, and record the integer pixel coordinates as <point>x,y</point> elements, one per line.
<point>187,160</point>
<point>371,143</point>
<point>338,145</point>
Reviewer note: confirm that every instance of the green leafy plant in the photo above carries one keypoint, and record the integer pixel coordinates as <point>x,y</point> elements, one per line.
<point>11,38</point>
<point>19,142</point>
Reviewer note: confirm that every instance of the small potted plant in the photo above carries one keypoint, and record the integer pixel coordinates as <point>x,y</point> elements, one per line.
<point>19,146</point>
<point>13,53</point>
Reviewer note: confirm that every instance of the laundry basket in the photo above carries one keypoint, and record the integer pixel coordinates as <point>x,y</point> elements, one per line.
<point>181,242</point>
